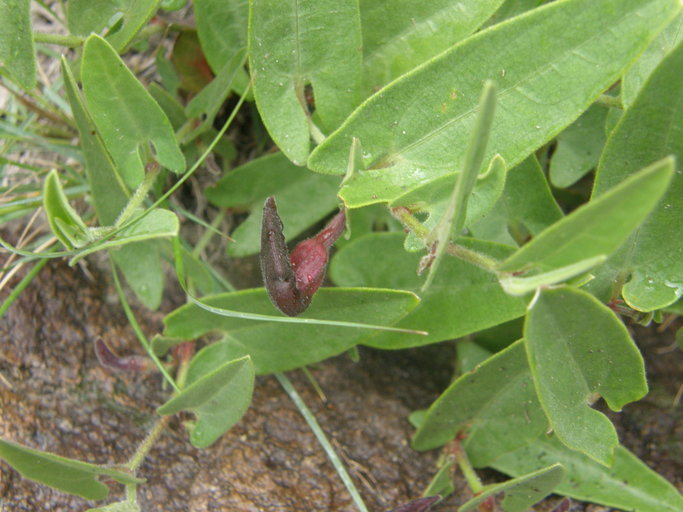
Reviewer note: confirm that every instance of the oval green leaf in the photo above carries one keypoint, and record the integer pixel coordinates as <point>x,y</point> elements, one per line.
<point>415,129</point>
<point>296,42</point>
<point>217,393</point>
<point>578,349</point>
<point>127,117</point>
<point>495,405</point>
<point>67,475</point>
<point>276,347</point>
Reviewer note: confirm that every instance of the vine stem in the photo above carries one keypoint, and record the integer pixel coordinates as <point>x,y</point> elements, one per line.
<point>405,217</point>
<point>322,439</point>
<point>465,466</point>
<point>146,445</point>
<point>140,193</point>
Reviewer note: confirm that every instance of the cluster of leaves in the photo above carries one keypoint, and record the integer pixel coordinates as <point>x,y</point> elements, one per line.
<point>445,115</point>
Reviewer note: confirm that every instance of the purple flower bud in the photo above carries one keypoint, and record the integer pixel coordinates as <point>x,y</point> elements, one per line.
<point>292,280</point>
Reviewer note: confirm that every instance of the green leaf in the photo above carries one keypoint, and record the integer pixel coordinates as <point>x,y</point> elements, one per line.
<point>86,16</point>
<point>128,119</point>
<point>598,227</point>
<point>463,299</point>
<point>222,29</point>
<point>578,350</point>
<point>207,103</point>
<point>400,35</point>
<point>452,221</point>
<point>141,266</point>
<point>295,42</point>
<point>637,75</point>
<point>628,484</point>
<point>519,494</point>
<point>276,347</point>
<point>495,405</point>
<point>67,475</point>
<point>650,130</point>
<point>109,193</point>
<point>274,175</point>
<point>218,394</point>
<point>415,129</point>
<point>578,147</point>
<point>526,207</point>
<point>17,53</point>
<point>64,221</point>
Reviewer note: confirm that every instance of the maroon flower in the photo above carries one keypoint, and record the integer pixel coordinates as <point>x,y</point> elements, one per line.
<point>291,280</point>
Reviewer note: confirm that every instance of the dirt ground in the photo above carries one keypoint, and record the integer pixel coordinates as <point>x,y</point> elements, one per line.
<point>56,397</point>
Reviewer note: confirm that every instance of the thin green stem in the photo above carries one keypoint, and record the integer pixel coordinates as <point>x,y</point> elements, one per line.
<point>322,439</point>
<point>22,285</point>
<point>59,39</point>
<point>314,382</point>
<point>468,471</point>
<point>140,193</point>
<point>146,445</point>
<point>138,332</point>
<point>476,258</point>
<point>208,234</point>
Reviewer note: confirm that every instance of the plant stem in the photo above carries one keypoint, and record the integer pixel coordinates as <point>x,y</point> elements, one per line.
<point>136,327</point>
<point>475,258</point>
<point>60,39</point>
<point>206,236</point>
<point>466,467</point>
<point>146,445</point>
<point>322,439</point>
<point>140,193</point>
<point>16,291</point>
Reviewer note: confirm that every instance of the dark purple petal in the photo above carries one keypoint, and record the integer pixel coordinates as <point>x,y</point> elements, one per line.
<point>278,276</point>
